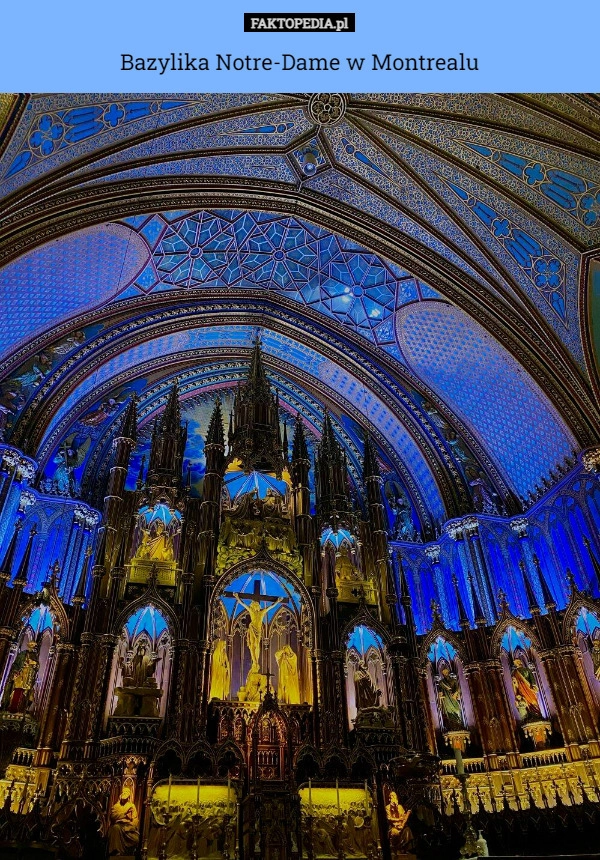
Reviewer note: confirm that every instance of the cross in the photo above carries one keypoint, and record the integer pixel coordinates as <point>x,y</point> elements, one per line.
<point>256,596</point>
<point>267,675</point>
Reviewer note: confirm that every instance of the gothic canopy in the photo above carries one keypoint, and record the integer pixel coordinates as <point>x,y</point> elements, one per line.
<point>418,265</point>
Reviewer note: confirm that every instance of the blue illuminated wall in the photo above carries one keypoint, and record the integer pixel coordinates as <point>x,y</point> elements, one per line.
<point>556,529</point>
<point>65,528</point>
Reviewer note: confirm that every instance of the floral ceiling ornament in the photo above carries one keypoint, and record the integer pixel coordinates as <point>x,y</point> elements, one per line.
<point>578,196</point>
<point>326,108</point>
<point>544,270</point>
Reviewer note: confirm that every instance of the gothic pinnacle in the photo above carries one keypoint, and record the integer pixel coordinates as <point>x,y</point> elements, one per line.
<point>463,618</point>
<point>171,419</point>
<point>21,577</point>
<point>299,448</point>
<point>531,598</point>
<point>370,464</point>
<point>549,601</point>
<point>129,428</point>
<point>215,434</point>
<point>10,552</point>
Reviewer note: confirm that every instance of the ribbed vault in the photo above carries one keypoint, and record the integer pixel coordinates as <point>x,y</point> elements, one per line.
<point>132,231</point>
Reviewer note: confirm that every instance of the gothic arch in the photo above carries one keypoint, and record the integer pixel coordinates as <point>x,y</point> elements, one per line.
<point>365,618</point>
<point>94,206</point>
<point>507,620</point>
<point>579,600</point>
<point>264,563</point>
<point>150,598</point>
<point>446,633</point>
<point>56,606</point>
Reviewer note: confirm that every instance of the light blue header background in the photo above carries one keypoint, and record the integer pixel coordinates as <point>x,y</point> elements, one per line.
<point>521,45</point>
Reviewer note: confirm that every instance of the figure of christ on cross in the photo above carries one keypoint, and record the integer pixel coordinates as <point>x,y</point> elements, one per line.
<point>257,616</point>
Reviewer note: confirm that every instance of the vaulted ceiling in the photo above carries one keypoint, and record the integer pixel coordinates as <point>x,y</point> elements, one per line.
<point>419,266</point>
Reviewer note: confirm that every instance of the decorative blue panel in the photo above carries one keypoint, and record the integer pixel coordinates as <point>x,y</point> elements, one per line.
<point>545,270</point>
<point>481,380</point>
<point>362,638</point>
<point>53,131</point>
<point>578,196</point>
<point>64,277</point>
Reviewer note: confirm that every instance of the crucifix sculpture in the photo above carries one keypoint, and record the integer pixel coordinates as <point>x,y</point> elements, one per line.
<point>257,615</point>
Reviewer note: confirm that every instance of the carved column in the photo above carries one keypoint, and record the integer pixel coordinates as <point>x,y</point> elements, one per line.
<point>493,716</point>
<point>54,712</point>
<point>105,646</point>
<point>574,714</point>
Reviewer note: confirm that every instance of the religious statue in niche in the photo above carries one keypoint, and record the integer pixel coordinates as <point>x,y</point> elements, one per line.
<point>345,569</point>
<point>220,680</point>
<point>157,543</point>
<point>254,524</point>
<point>399,831</point>
<point>139,694</point>
<point>525,688</point>
<point>288,689</point>
<point>366,694</point>
<point>403,527</point>
<point>124,830</point>
<point>18,692</point>
<point>273,504</point>
<point>257,615</point>
<point>449,697</point>
<point>482,494</point>
<point>595,654</point>
<point>67,459</point>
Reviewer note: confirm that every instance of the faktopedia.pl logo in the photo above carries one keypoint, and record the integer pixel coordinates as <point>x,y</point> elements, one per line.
<point>299,22</point>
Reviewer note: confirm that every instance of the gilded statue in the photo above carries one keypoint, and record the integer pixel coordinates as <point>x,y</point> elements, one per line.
<point>255,628</point>
<point>220,679</point>
<point>21,681</point>
<point>124,830</point>
<point>273,503</point>
<point>157,544</point>
<point>344,566</point>
<point>256,686</point>
<point>397,816</point>
<point>289,685</point>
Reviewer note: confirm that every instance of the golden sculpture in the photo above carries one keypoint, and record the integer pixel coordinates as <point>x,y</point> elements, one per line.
<point>124,833</point>
<point>157,544</point>
<point>289,685</point>
<point>255,687</point>
<point>400,834</point>
<point>220,680</point>
<point>344,566</point>
<point>255,628</point>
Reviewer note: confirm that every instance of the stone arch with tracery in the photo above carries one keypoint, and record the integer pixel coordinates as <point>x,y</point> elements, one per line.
<point>261,637</point>
<point>367,682</point>
<point>141,667</point>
